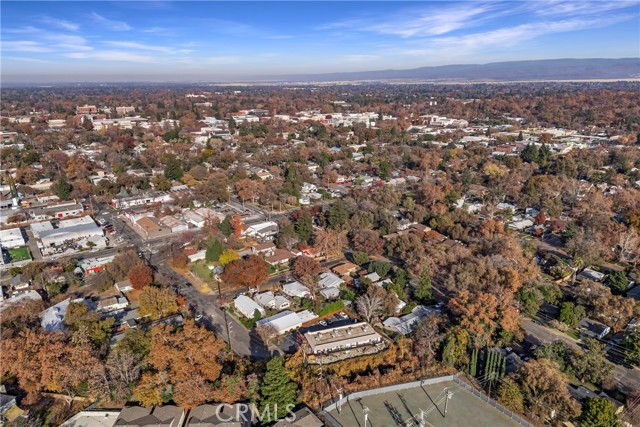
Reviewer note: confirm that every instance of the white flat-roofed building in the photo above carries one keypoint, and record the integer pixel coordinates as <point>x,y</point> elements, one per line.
<point>194,218</point>
<point>92,419</point>
<point>283,322</point>
<point>12,238</point>
<point>263,231</point>
<point>174,224</point>
<point>342,338</point>
<point>64,223</point>
<point>56,211</point>
<point>75,233</point>
<point>152,199</point>
<point>247,307</point>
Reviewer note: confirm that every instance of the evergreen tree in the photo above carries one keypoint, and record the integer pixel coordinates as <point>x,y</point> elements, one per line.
<point>474,362</point>
<point>383,170</point>
<point>617,281</point>
<point>599,412</point>
<point>530,153</point>
<point>337,215</point>
<point>279,392</point>
<point>62,188</point>
<point>423,292</point>
<point>304,226</point>
<point>544,154</point>
<point>520,137</point>
<point>214,250</point>
<point>173,168</point>
<point>631,343</point>
<point>225,226</point>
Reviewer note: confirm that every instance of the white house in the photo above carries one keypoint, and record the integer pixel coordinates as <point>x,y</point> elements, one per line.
<point>112,304</point>
<point>247,307</point>
<point>329,280</point>
<point>296,289</point>
<point>266,299</point>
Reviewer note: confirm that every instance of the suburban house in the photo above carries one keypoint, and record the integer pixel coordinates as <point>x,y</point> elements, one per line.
<point>296,289</point>
<point>590,274</point>
<point>266,248</point>
<point>11,238</point>
<point>262,231</point>
<point>266,299</point>
<point>342,338</point>
<point>219,415</point>
<point>329,280</point>
<point>93,265</point>
<point>112,304</point>
<point>158,416</point>
<point>405,324</point>
<point>247,307</point>
<point>345,268</point>
<point>279,257</point>
<point>124,286</point>
<point>593,329</point>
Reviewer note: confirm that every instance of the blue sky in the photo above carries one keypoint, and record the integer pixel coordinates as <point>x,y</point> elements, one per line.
<point>180,41</point>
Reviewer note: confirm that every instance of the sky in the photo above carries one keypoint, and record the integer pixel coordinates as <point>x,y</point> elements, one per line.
<point>55,41</point>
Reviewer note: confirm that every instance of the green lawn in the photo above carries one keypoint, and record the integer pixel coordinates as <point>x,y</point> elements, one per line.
<point>19,254</point>
<point>202,271</point>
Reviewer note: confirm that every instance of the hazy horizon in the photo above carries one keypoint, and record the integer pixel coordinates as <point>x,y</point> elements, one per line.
<point>57,42</point>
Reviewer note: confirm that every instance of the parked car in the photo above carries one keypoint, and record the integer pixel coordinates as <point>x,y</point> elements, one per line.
<point>198,317</point>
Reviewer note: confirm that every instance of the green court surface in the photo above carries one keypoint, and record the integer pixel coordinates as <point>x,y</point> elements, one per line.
<point>402,408</point>
<point>19,254</point>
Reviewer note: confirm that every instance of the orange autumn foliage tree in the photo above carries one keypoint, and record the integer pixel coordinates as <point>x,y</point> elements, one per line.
<point>236,225</point>
<point>140,276</point>
<point>191,361</point>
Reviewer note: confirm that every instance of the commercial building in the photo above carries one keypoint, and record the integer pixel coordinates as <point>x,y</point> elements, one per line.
<point>61,210</point>
<point>145,199</point>
<point>174,224</point>
<point>286,321</point>
<point>12,238</point>
<point>75,233</point>
<point>342,338</point>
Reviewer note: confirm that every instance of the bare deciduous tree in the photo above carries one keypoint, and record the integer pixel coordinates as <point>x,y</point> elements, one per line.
<point>369,306</point>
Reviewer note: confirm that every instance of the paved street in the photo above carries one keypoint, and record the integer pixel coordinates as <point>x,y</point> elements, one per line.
<point>628,378</point>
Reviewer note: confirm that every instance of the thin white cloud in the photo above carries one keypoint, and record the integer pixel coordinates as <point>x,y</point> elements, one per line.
<point>421,22</point>
<point>110,24</point>
<point>279,37</point>
<point>562,8</point>
<point>26,59</point>
<point>60,23</point>
<point>24,46</point>
<point>507,37</point>
<point>148,47</point>
<point>113,55</point>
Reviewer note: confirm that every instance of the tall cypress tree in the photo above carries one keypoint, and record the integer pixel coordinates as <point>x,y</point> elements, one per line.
<point>278,390</point>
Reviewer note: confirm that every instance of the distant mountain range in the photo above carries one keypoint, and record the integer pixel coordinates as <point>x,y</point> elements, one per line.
<point>548,69</point>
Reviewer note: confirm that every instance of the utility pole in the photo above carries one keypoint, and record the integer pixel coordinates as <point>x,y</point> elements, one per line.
<point>229,327</point>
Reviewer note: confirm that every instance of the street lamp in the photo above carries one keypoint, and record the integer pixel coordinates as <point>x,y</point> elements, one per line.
<point>365,412</point>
